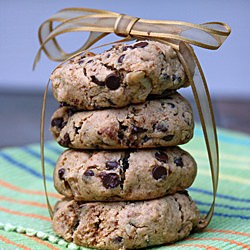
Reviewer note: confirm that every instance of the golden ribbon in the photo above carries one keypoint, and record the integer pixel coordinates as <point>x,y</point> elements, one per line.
<point>177,34</point>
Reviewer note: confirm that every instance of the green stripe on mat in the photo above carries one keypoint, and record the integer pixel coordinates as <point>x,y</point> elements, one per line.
<point>25,223</point>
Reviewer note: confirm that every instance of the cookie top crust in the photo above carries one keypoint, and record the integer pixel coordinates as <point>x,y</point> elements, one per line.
<point>125,74</point>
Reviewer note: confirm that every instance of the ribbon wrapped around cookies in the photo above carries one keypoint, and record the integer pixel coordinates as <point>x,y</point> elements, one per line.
<point>179,35</point>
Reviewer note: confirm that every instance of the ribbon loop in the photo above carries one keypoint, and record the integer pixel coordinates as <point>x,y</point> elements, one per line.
<point>124,24</point>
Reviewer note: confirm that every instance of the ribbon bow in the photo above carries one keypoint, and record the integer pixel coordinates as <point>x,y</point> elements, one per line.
<point>179,35</point>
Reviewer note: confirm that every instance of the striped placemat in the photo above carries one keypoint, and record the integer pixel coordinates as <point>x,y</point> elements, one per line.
<point>25,222</point>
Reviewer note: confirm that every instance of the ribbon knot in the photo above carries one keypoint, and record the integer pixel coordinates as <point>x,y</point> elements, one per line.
<point>179,35</point>
<point>124,24</point>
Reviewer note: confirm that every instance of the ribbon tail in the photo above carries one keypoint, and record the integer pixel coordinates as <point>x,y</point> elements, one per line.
<point>42,149</point>
<point>204,106</point>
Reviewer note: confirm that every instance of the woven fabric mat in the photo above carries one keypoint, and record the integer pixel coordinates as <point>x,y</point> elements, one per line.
<point>25,222</point>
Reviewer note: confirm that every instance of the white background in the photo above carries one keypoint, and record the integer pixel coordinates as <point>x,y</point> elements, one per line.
<point>227,70</point>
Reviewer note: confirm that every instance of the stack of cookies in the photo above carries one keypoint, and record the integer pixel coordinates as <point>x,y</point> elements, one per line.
<point>123,176</point>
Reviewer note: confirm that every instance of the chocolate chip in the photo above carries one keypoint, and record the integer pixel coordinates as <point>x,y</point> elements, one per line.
<point>76,225</point>
<point>173,78</point>
<point>71,111</point>
<point>96,225</point>
<point>171,105</point>
<point>136,129</point>
<point>81,61</point>
<point>112,165</point>
<point>90,61</point>
<point>112,81</point>
<point>168,137</point>
<point>159,172</point>
<point>178,79</point>
<point>125,163</point>
<point>89,172</point>
<point>161,156</point>
<point>65,141</point>
<point>64,104</point>
<point>96,81</point>
<point>140,45</point>
<point>118,240</point>
<point>110,180</point>
<point>108,55</point>
<point>61,173</point>
<point>161,126</point>
<point>77,130</point>
<point>121,130</point>
<point>127,47</point>
<point>120,59</point>
<point>165,76</point>
<point>145,138</point>
<point>178,161</point>
<point>58,122</point>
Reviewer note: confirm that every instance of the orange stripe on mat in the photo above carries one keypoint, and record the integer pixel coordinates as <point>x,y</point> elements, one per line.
<point>23,202</point>
<point>27,191</point>
<point>198,245</point>
<point>227,232</point>
<point>42,242</point>
<point>37,216</point>
<point>7,241</point>
<point>225,240</point>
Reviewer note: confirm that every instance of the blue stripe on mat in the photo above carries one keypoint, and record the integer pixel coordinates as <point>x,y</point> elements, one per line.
<point>220,205</point>
<point>238,216</point>
<point>37,155</point>
<point>23,166</point>
<point>223,196</point>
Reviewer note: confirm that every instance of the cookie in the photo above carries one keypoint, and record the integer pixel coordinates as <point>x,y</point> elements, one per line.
<point>126,74</point>
<point>123,175</point>
<point>155,123</point>
<point>126,225</point>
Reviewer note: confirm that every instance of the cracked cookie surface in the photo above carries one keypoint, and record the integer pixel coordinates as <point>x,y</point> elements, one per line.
<point>123,175</point>
<point>126,225</point>
<point>155,123</point>
<point>126,74</point>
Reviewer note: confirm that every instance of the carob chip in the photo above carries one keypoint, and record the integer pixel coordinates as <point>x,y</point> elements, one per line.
<point>112,165</point>
<point>161,156</point>
<point>65,141</point>
<point>89,172</point>
<point>58,122</point>
<point>110,180</point>
<point>112,81</point>
<point>61,173</point>
<point>159,172</point>
<point>178,161</point>
<point>140,45</point>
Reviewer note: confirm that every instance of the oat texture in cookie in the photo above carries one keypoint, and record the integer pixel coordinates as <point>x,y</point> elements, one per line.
<point>126,225</point>
<point>126,74</point>
<point>155,123</point>
<point>123,175</point>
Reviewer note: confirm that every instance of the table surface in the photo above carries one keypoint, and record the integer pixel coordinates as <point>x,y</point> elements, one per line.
<point>20,117</point>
